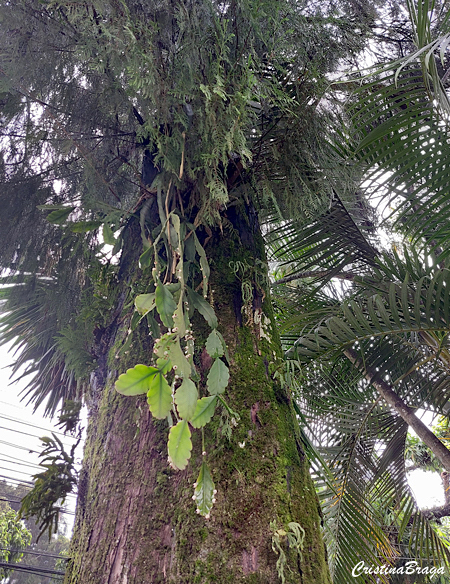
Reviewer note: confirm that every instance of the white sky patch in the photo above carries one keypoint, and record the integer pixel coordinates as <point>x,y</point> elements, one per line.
<point>20,432</point>
<point>427,488</point>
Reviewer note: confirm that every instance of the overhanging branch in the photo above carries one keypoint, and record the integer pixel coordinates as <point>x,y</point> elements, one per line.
<point>316,274</point>
<point>403,410</point>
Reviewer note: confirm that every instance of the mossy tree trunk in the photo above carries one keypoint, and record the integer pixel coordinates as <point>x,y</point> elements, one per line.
<point>136,521</point>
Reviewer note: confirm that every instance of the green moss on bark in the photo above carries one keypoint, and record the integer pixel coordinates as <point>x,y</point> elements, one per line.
<point>137,522</point>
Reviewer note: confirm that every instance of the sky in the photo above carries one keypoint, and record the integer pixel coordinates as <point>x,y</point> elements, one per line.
<point>20,430</point>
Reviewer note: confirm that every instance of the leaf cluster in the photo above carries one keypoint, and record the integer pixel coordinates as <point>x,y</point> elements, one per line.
<point>51,486</point>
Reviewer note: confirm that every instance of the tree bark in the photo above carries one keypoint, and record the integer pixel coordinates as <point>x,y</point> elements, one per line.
<point>136,521</point>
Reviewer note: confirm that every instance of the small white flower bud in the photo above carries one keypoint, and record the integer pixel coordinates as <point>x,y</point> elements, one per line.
<point>198,511</point>
<point>213,499</point>
<point>204,453</point>
<point>175,367</point>
<point>193,497</point>
<point>215,492</point>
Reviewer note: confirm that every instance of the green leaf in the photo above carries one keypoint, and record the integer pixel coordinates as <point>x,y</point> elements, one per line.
<point>118,246</point>
<point>164,365</point>
<point>214,345</point>
<point>218,377</point>
<point>179,361</point>
<point>179,319</point>
<point>153,325</point>
<point>135,320</point>
<point>189,249</point>
<point>135,381</point>
<point>145,303</point>
<point>203,264</point>
<point>204,411</point>
<point>165,304</point>
<point>205,309</point>
<point>59,216</point>
<point>186,399</point>
<point>180,445</point>
<point>84,226</point>
<point>204,491</point>
<point>51,207</point>
<point>108,235</point>
<point>159,396</point>
<point>146,258</point>
<point>224,345</point>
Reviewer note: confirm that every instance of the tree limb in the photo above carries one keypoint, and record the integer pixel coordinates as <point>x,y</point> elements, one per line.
<point>315,274</point>
<point>407,413</point>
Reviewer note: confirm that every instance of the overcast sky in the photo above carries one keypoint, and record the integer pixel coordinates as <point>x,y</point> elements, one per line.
<point>20,430</point>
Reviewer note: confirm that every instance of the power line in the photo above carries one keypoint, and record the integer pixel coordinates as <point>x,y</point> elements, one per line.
<point>17,480</point>
<point>21,462</point>
<point>14,470</point>
<point>18,502</point>
<point>36,553</point>
<point>15,460</point>
<point>19,421</point>
<point>19,447</point>
<point>24,433</point>
<point>22,482</point>
<point>32,569</point>
<point>27,484</point>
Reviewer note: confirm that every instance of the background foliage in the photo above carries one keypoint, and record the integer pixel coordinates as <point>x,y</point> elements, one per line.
<point>243,104</point>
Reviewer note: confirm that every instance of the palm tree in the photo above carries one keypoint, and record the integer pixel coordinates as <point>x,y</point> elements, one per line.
<point>377,348</point>
<point>140,143</point>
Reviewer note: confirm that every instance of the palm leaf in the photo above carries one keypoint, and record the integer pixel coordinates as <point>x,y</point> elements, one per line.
<point>370,512</point>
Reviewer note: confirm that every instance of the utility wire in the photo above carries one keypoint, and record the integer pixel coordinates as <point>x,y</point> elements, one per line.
<point>25,483</point>
<point>14,470</point>
<point>36,553</point>
<point>28,484</point>
<point>22,481</point>
<point>16,480</point>
<point>62,510</point>
<point>15,460</point>
<point>19,421</point>
<point>19,447</point>
<point>24,433</point>
<point>31,569</point>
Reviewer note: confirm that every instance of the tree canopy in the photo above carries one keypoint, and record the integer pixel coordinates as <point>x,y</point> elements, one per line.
<point>183,121</point>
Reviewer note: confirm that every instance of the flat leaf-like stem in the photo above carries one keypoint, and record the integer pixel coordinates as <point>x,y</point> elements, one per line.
<point>135,381</point>
<point>180,445</point>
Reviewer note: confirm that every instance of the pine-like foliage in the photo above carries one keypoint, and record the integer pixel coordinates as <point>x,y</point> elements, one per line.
<point>221,98</point>
<point>111,106</point>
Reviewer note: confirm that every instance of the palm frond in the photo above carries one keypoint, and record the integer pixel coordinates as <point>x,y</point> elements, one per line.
<point>370,513</point>
<point>29,325</point>
<point>323,248</point>
<point>400,139</point>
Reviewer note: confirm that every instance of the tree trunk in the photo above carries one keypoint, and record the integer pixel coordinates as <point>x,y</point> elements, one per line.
<point>136,521</point>
<point>440,451</point>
